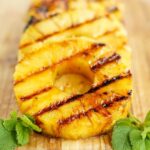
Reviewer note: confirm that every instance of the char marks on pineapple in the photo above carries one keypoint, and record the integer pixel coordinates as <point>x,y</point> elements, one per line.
<point>44,37</point>
<point>32,20</point>
<point>77,116</point>
<point>43,11</point>
<point>102,61</point>
<point>112,9</point>
<point>75,97</point>
<point>92,47</point>
<point>112,58</point>
<point>101,108</point>
<point>57,105</point>
<point>35,93</point>
<point>109,81</point>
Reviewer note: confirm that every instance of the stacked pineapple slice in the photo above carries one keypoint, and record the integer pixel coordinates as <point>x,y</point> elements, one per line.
<point>73,73</point>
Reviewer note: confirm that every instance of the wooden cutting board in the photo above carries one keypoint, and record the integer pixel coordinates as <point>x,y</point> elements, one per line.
<point>137,22</point>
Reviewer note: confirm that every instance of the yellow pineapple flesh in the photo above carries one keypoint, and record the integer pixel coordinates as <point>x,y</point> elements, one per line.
<point>74,73</point>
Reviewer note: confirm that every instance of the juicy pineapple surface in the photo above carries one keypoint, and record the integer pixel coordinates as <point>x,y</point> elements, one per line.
<point>73,73</point>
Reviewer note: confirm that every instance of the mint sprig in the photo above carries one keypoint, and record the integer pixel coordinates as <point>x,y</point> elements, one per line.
<point>7,138</point>
<point>131,134</point>
<point>15,131</point>
<point>22,134</point>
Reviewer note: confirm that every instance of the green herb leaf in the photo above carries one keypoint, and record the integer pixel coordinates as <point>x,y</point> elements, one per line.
<point>13,115</point>
<point>22,134</point>
<point>126,122</point>
<point>131,134</point>
<point>146,132</point>
<point>147,144</point>
<point>28,122</point>
<point>147,119</point>
<point>7,138</point>
<point>137,142</point>
<point>15,131</point>
<point>148,135</point>
<point>30,117</point>
<point>120,139</point>
<point>134,120</point>
<point>10,124</point>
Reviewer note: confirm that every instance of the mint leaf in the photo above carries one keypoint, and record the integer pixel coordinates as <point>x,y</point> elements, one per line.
<point>11,123</point>
<point>15,131</point>
<point>148,136</point>
<point>28,122</point>
<point>13,115</point>
<point>30,117</point>
<point>7,138</point>
<point>120,137</point>
<point>131,134</point>
<point>147,144</point>
<point>126,122</point>
<point>134,120</point>
<point>22,134</point>
<point>146,132</point>
<point>137,142</point>
<point>147,119</point>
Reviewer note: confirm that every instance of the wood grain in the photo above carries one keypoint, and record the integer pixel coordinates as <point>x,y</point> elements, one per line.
<point>137,22</point>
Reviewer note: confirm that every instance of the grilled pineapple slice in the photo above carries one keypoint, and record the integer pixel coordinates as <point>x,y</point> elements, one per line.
<point>73,74</point>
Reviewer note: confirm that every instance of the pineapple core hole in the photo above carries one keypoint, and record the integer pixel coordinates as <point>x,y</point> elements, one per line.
<point>73,83</point>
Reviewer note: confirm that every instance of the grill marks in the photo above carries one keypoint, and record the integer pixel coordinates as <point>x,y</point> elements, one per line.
<point>105,60</point>
<point>47,9</point>
<point>93,46</point>
<point>109,81</point>
<point>107,104</point>
<point>52,34</point>
<point>36,93</point>
<point>101,108</point>
<point>108,32</point>
<point>52,5</point>
<point>112,9</point>
<point>75,97</point>
<point>31,21</point>
<point>57,105</point>
<point>113,57</point>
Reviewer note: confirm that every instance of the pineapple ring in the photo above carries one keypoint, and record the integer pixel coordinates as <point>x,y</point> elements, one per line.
<point>59,110</point>
<point>74,87</point>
